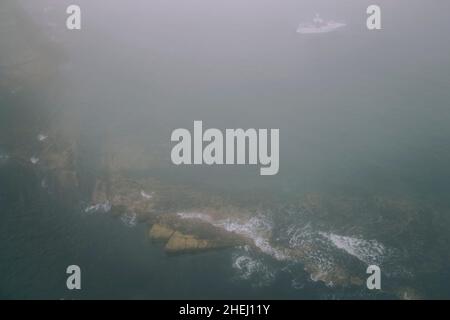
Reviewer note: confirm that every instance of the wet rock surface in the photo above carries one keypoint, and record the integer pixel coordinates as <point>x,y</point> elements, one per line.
<point>180,242</point>
<point>159,232</point>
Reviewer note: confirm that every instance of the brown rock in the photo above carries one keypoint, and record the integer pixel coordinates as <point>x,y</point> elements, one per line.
<point>159,232</point>
<point>180,242</point>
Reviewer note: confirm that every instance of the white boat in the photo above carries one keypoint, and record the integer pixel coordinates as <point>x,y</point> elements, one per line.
<point>319,26</point>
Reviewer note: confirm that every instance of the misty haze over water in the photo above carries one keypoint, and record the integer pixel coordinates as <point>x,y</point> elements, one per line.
<point>362,115</point>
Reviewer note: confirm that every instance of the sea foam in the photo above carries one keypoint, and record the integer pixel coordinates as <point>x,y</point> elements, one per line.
<point>367,251</point>
<point>258,228</point>
<point>99,207</point>
<point>129,219</point>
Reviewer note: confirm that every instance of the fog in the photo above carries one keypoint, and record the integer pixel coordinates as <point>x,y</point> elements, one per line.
<point>353,106</point>
<point>361,113</point>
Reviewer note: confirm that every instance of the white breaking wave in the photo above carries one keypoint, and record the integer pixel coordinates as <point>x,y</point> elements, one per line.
<point>196,215</point>
<point>301,237</point>
<point>99,207</point>
<point>367,251</point>
<point>323,257</point>
<point>34,160</point>
<point>129,219</point>
<point>42,137</point>
<point>146,195</point>
<point>249,268</point>
<point>246,266</point>
<point>257,228</point>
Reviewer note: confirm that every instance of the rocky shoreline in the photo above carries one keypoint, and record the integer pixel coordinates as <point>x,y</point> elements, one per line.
<point>149,201</point>
<point>186,221</point>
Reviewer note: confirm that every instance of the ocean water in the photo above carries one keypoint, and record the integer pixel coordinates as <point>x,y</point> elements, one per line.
<point>40,238</point>
<point>361,115</point>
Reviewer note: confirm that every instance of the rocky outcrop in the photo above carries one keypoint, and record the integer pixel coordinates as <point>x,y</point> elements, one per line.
<point>126,195</point>
<point>160,233</point>
<point>58,161</point>
<point>185,236</point>
<point>141,197</point>
<point>182,243</point>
